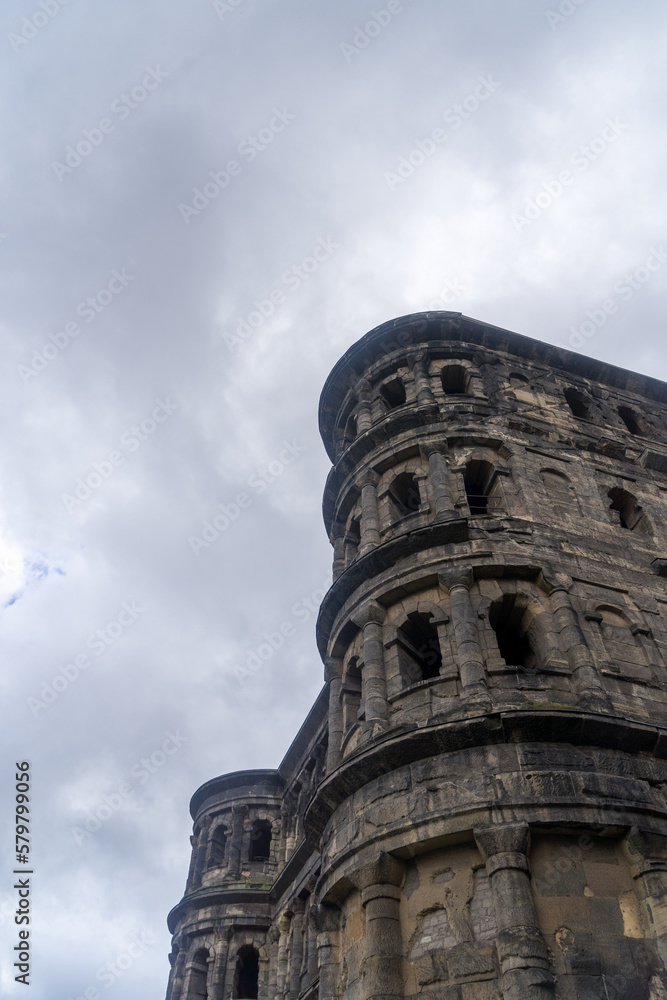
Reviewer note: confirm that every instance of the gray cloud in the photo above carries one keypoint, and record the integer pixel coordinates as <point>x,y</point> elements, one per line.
<point>65,573</point>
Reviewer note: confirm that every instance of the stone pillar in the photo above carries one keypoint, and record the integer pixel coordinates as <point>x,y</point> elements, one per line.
<point>647,853</point>
<point>382,965</point>
<point>281,985</point>
<point>201,853</point>
<point>333,676</point>
<point>282,849</point>
<point>370,517</point>
<point>236,841</point>
<point>298,908</point>
<point>522,951</point>
<point>364,408</point>
<point>272,939</point>
<point>443,493</point>
<point>373,681</point>
<point>327,922</point>
<point>419,363</point>
<point>217,978</point>
<point>177,977</point>
<point>311,945</point>
<point>338,542</point>
<point>579,656</point>
<point>458,582</point>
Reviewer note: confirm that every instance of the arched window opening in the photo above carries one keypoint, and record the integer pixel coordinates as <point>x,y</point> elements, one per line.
<point>514,645</point>
<point>218,842</point>
<point>404,494</point>
<point>260,841</point>
<point>419,648</point>
<point>246,973</point>
<point>454,380</point>
<point>393,393</point>
<point>630,419</point>
<point>630,514</point>
<point>579,404</point>
<point>482,488</point>
<point>351,694</point>
<point>198,976</point>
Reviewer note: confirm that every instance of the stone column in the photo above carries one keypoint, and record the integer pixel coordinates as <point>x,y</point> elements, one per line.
<point>201,853</point>
<point>373,681</point>
<point>647,853</point>
<point>522,951</point>
<point>370,517</point>
<point>177,976</point>
<point>272,939</point>
<point>338,542</point>
<point>364,409</point>
<point>236,841</point>
<point>217,978</point>
<point>282,849</point>
<point>382,965</point>
<point>419,364</point>
<point>458,582</point>
<point>281,985</point>
<point>327,922</point>
<point>298,908</point>
<point>579,656</point>
<point>443,491</point>
<point>333,676</point>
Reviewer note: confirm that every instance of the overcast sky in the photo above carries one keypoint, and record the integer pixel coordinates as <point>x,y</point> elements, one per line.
<point>204,204</point>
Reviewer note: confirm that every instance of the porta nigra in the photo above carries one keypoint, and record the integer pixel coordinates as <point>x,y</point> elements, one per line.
<point>475,807</point>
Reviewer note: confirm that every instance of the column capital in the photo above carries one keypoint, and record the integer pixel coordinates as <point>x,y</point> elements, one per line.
<point>370,613</point>
<point>430,448</point>
<point>510,839</point>
<point>326,917</point>
<point>333,668</point>
<point>552,580</point>
<point>419,357</point>
<point>368,478</point>
<point>456,576</point>
<point>384,871</point>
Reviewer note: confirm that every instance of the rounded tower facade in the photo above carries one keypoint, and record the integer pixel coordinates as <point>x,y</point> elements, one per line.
<point>476,808</point>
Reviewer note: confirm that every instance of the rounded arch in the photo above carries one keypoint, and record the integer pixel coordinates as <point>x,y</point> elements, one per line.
<point>261,834</point>
<point>629,511</point>
<point>218,845</point>
<point>246,973</point>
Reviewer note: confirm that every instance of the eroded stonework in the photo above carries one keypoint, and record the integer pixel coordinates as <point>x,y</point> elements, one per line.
<point>476,806</point>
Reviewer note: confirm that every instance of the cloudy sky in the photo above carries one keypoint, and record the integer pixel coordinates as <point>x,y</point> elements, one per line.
<point>204,204</point>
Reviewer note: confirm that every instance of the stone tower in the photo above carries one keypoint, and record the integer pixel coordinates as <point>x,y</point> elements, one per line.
<point>476,806</point>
